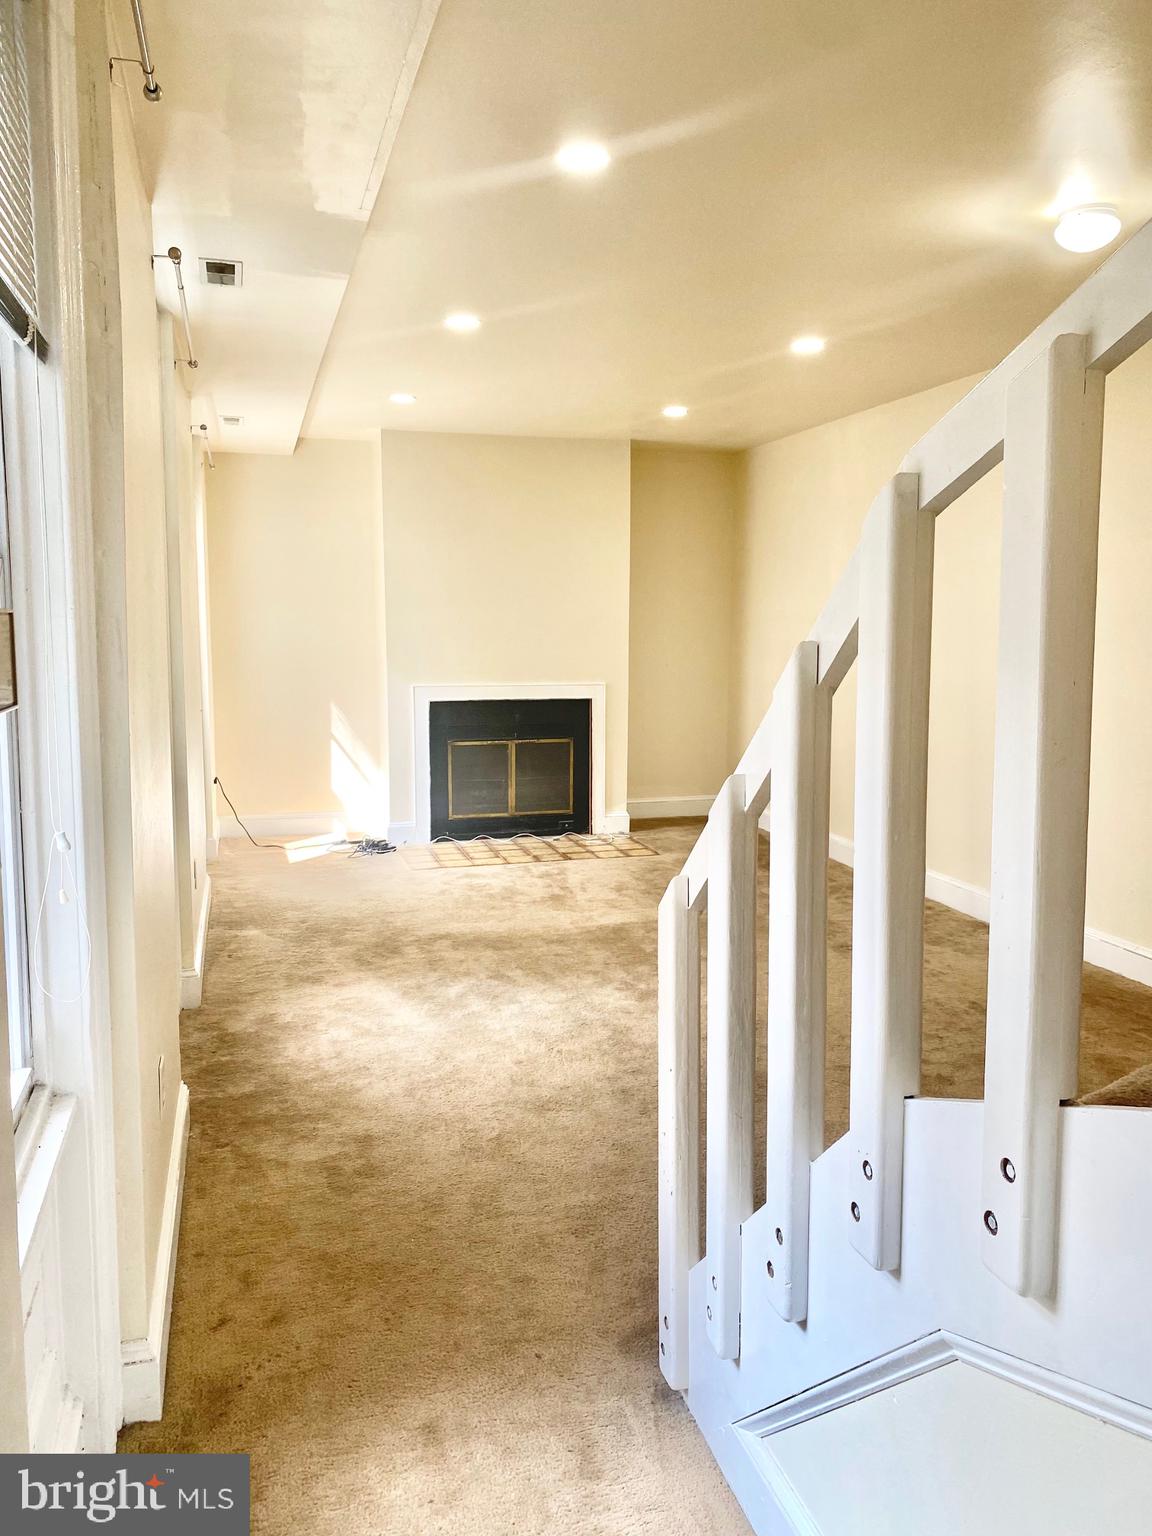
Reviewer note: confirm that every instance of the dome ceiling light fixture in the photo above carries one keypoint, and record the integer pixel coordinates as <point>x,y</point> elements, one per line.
<point>1088,228</point>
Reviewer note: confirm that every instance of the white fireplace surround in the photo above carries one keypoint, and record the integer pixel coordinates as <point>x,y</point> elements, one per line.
<point>426,694</point>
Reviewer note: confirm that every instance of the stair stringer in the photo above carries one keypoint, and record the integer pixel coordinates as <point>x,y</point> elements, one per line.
<point>1091,1331</point>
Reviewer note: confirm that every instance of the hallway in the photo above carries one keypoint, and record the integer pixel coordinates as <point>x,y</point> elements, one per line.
<point>417,1259</point>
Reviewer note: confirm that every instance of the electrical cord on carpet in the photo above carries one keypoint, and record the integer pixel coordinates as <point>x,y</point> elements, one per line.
<point>365,847</point>
<point>275,847</point>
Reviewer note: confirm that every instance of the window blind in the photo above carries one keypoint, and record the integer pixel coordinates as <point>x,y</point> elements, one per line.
<point>17,242</point>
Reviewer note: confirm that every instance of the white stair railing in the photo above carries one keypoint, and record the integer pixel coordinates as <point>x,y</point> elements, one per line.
<point>1055,421</point>
<point>679,1066</point>
<point>894,645</point>
<point>1040,410</point>
<point>797,966</point>
<point>731,1064</point>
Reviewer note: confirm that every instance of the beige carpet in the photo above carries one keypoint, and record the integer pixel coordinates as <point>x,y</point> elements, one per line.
<point>418,1254</point>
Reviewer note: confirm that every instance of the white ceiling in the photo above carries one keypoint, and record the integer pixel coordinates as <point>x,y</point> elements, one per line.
<point>881,172</point>
<point>267,147</point>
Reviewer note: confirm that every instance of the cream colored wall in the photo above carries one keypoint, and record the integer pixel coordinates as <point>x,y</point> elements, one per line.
<point>506,562</point>
<point>684,508</point>
<point>294,571</point>
<point>136,739</point>
<point>804,507</point>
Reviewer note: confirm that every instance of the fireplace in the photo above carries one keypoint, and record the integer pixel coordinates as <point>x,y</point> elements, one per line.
<point>503,766</point>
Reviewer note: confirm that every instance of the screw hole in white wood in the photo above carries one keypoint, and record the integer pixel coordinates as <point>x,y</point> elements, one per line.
<point>771,1270</point>
<point>779,1237</point>
<point>855,1211</point>
<point>991,1223</point>
<point>867,1166</point>
<point>1008,1169</point>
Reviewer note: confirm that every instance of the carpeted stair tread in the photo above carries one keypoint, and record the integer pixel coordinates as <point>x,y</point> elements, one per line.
<point>1133,1091</point>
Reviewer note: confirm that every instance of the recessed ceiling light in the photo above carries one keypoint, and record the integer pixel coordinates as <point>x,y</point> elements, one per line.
<point>402,399</point>
<point>582,157</point>
<point>461,320</point>
<point>807,346</point>
<point>675,412</point>
<point>1087,229</point>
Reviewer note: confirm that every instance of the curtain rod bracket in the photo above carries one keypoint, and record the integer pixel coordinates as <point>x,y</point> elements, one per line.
<point>152,90</point>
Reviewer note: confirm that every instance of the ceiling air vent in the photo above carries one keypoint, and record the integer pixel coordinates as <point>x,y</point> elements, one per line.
<point>231,421</point>
<point>220,273</point>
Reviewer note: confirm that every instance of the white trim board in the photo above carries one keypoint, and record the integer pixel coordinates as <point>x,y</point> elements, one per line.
<point>192,981</point>
<point>1120,956</point>
<point>757,1434</point>
<point>425,694</point>
<point>676,805</point>
<point>144,1361</point>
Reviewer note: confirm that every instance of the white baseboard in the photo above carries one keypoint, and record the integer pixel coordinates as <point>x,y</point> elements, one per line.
<point>305,824</point>
<point>402,832</point>
<point>841,849</point>
<point>662,810</point>
<point>213,849</point>
<point>614,823</point>
<point>1120,956</point>
<point>144,1361</point>
<point>192,981</point>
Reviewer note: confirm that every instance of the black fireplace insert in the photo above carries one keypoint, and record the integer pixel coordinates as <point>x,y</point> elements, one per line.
<point>503,766</point>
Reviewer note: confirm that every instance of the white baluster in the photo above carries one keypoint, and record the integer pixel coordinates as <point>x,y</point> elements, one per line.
<point>895,641</point>
<point>731,1054</point>
<point>797,962</point>
<point>1053,428</point>
<point>679,1068</point>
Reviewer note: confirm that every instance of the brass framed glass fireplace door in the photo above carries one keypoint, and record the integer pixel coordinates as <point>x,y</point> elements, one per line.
<point>529,770</point>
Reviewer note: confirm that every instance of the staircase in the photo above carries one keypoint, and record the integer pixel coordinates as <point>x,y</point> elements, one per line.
<point>1002,1247</point>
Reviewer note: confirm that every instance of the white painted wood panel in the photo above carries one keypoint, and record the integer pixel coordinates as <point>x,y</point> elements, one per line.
<point>888,889</point>
<point>796,970</point>
<point>1084,1349</point>
<point>955,1451</point>
<point>679,1121</point>
<point>731,1054</point>
<point>1039,803</point>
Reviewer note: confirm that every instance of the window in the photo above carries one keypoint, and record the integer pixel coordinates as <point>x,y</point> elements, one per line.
<point>14,997</point>
<point>18,308</point>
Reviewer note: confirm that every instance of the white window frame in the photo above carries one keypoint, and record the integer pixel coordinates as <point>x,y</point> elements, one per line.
<point>65,1144</point>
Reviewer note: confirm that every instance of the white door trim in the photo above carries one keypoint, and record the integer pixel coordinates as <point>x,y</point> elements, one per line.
<point>425,694</point>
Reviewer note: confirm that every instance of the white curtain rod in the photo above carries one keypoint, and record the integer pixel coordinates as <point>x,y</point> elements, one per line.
<point>173,254</point>
<point>152,90</point>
